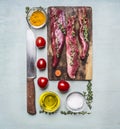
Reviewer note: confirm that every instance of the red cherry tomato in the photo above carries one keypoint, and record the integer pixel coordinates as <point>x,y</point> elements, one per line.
<point>40,42</point>
<point>63,85</point>
<point>41,64</point>
<point>42,82</point>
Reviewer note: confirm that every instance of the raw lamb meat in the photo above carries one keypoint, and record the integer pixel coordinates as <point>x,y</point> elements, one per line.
<point>57,30</point>
<point>83,32</point>
<point>72,52</point>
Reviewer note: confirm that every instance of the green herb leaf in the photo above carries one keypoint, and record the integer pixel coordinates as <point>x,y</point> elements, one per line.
<point>27,9</point>
<point>50,113</point>
<point>89,95</point>
<point>74,113</point>
<point>85,33</point>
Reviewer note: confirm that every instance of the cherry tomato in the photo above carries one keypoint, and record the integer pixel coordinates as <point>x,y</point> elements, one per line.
<point>41,64</point>
<point>63,85</point>
<point>42,82</point>
<point>40,42</point>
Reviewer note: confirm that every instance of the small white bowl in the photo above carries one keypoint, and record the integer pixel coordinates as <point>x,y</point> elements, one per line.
<point>31,11</point>
<point>75,102</point>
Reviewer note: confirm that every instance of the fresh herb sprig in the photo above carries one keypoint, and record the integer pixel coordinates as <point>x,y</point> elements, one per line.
<point>74,113</point>
<point>27,9</point>
<point>89,95</point>
<point>42,111</point>
<point>63,30</point>
<point>85,28</point>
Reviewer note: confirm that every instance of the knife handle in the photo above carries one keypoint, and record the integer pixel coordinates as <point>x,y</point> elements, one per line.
<point>31,108</point>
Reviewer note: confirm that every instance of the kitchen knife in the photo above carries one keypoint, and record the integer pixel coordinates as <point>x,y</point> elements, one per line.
<point>31,72</point>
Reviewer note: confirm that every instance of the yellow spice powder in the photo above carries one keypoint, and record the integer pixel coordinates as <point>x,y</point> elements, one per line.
<point>37,18</point>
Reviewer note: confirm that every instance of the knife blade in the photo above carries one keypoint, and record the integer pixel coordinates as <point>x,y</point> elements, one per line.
<point>31,72</point>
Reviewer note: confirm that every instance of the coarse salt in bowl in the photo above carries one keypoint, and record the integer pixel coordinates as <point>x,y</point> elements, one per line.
<point>75,102</point>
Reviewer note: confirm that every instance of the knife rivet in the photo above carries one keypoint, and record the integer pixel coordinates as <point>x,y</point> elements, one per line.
<point>29,96</point>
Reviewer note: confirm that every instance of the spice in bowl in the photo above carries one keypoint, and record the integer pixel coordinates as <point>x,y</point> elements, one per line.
<point>36,17</point>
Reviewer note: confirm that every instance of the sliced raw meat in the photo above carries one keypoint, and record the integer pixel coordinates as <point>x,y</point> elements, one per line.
<point>72,52</point>
<point>83,32</point>
<point>57,30</point>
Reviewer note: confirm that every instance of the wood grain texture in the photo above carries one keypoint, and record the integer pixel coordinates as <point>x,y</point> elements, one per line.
<point>31,108</point>
<point>84,72</point>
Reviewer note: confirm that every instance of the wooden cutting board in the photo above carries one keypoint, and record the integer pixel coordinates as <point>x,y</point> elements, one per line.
<point>84,71</point>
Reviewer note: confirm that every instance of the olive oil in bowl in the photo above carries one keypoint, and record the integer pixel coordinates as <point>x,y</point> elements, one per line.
<point>49,101</point>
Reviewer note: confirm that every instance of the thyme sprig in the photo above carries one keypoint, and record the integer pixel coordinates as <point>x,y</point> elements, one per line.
<point>27,9</point>
<point>42,111</point>
<point>63,30</point>
<point>74,113</point>
<point>89,95</point>
<point>85,28</point>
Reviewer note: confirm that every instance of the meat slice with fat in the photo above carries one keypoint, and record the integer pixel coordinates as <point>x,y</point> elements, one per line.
<point>57,30</point>
<point>72,51</point>
<point>83,32</point>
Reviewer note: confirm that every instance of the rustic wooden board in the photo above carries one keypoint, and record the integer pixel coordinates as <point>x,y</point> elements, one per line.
<point>84,72</point>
